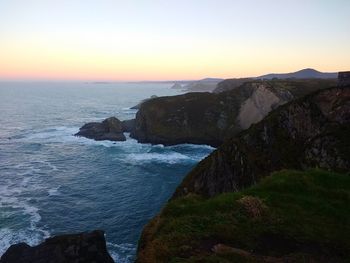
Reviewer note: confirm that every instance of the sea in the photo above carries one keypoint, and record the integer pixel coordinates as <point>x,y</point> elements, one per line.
<point>52,182</point>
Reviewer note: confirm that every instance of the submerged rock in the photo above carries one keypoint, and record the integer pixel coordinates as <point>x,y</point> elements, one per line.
<point>83,248</point>
<point>109,129</point>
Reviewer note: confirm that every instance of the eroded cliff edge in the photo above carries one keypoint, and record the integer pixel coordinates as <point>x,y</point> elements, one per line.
<point>254,214</point>
<point>310,132</point>
<point>207,118</point>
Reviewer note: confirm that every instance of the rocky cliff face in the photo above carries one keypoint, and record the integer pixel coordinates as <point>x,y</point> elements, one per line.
<point>206,118</point>
<point>344,78</point>
<point>83,248</point>
<point>230,84</point>
<point>312,131</point>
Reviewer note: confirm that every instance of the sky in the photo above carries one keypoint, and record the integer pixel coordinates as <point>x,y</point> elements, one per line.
<point>135,40</point>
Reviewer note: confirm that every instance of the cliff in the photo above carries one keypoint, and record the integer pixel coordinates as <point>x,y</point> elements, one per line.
<point>202,85</point>
<point>309,132</point>
<point>302,85</point>
<point>230,84</point>
<point>344,78</point>
<point>290,216</point>
<point>206,118</point>
<point>83,248</point>
<point>234,207</point>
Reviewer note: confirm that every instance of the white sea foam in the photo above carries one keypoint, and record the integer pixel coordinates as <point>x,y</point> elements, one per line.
<point>55,134</point>
<point>9,237</point>
<point>53,191</point>
<point>19,206</point>
<point>168,157</point>
<point>122,252</point>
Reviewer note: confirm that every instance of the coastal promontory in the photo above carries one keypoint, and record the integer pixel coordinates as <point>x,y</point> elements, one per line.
<point>207,118</point>
<point>276,192</point>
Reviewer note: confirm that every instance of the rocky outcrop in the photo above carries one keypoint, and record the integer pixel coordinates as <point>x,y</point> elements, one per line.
<point>202,85</point>
<point>137,107</point>
<point>312,131</point>
<point>344,78</point>
<point>176,86</point>
<point>230,84</point>
<point>128,125</point>
<point>83,248</point>
<point>110,129</point>
<point>206,118</point>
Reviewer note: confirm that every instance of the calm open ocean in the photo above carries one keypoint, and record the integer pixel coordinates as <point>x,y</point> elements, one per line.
<point>54,183</point>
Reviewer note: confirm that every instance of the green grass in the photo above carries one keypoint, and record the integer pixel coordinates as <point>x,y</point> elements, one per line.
<point>303,216</point>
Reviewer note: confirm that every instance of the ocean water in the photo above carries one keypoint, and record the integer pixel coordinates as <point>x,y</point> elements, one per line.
<point>52,182</point>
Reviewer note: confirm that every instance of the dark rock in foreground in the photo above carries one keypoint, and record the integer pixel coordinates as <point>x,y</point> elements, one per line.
<point>110,129</point>
<point>83,248</point>
<point>313,131</point>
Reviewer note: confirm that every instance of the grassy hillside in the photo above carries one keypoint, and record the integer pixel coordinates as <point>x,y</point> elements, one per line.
<point>290,215</point>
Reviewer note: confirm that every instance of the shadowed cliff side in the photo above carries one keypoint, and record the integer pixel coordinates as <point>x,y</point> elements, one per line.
<point>234,207</point>
<point>206,118</point>
<point>310,132</point>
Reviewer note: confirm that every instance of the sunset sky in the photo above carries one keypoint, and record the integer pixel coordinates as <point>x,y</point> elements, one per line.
<point>169,40</point>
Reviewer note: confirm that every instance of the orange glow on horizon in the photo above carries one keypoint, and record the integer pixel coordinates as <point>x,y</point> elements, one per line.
<point>176,40</point>
<point>141,59</point>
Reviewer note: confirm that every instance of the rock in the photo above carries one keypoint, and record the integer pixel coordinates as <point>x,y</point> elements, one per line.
<point>207,118</point>
<point>230,84</point>
<point>201,86</point>
<point>128,125</point>
<point>176,86</point>
<point>109,129</point>
<point>344,78</point>
<point>313,131</point>
<point>178,119</point>
<point>137,107</point>
<point>84,247</point>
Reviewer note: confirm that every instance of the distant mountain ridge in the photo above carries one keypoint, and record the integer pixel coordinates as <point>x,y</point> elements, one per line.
<point>215,84</point>
<point>301,74</point>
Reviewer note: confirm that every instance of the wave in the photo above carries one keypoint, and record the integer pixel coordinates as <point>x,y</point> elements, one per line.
<point>65,134</point>
<point>53,191</point>
<point>14,208</point>
<point>123,253</point>
<point>170,158</point>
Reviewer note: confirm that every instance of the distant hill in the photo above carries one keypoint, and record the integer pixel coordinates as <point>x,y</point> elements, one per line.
<point>202,85</point>
<point>307,73</point>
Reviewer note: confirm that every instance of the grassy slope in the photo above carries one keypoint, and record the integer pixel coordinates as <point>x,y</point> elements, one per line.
<point>297,215</point>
